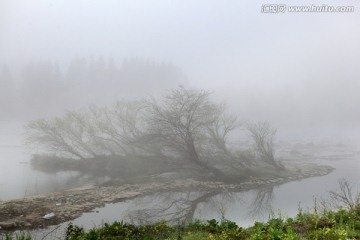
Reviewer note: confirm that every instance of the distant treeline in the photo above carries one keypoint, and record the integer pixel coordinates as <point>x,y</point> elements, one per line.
<point>47,87</point>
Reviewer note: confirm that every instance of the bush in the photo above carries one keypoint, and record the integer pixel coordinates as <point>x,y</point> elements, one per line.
<point>341,224</point>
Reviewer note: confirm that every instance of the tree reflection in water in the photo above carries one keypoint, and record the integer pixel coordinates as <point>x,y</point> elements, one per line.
<point>174,207</point>
<point>262,203</point>
<point>180,207</point>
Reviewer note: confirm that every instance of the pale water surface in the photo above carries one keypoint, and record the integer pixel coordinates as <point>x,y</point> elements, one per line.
<point>17,180</point>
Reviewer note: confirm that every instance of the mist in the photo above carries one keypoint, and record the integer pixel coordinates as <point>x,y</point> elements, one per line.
<point>294,74</point>
<point>295,70</point>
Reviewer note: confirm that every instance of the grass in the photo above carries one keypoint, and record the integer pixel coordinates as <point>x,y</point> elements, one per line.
<point>340,224</point>
<point>20,236</point>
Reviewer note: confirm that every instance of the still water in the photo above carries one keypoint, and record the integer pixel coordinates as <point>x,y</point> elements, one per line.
<point>17,180</point>
<point>244,208</point>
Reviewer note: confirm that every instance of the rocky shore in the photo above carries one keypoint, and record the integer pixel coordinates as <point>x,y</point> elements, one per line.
<point>54,208</point>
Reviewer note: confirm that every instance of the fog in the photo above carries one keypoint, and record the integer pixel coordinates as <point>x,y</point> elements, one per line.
<point>64,65</point>
<point>296,70</point>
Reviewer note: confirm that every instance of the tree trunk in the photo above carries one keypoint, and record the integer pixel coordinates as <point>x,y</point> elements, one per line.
<point>193,155</point>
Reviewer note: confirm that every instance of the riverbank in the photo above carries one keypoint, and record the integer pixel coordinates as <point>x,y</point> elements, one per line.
<point>321,225</point>
<point>54,208</point>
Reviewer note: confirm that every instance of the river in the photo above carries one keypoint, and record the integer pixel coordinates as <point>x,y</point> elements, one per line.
<point>18,179</point>
<point>244,208</point>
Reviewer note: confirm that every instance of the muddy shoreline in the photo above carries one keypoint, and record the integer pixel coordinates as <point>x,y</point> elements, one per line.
<point>54,208</point>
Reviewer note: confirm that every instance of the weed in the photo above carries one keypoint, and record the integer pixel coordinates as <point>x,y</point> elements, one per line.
<point>310,224</point>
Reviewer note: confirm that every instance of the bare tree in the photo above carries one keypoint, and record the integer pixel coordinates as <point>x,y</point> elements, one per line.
<point>90,132</point>
<point>216,147</point>
<point>184,124</point>
<point>181,120</point>
<point>263,136</point>
<point>220,128</point>
<point>64,135</point>
<point>42,132</point>
<point>119,128</point>
<point>345,196</point>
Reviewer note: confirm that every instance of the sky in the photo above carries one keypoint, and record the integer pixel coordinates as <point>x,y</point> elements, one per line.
<point>296,70</point>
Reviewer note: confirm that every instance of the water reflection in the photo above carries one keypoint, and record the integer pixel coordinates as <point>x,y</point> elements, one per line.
<point>180,207</point>
<point>18,179</point>
<point>241,207</point>
<point>174,207</point>
<point>262,203</point>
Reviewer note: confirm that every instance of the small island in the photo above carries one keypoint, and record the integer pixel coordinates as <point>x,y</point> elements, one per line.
<point>178,142</point>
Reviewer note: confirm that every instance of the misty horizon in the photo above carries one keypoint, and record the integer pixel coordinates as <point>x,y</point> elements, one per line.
<point>295,70</point>
<point>149,110</point>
